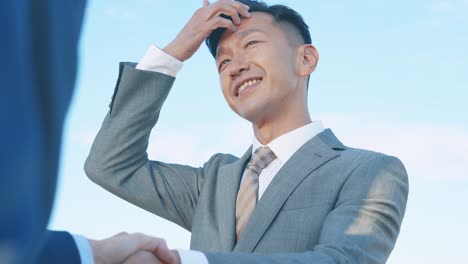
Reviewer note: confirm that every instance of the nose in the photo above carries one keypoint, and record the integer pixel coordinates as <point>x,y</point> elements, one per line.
<point>238,64</point>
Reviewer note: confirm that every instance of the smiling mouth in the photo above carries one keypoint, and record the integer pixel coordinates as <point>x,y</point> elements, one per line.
<point>248,84</point>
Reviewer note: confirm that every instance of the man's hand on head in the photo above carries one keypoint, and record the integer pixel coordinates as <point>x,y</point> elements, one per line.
<point>204,21</point>
<point>120,247</point>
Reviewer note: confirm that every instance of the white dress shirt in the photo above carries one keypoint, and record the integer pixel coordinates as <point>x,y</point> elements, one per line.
<point>284,147</point>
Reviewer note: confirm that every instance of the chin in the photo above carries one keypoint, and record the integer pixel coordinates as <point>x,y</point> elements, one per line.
<point>250,110</point>
<point>249,114</point>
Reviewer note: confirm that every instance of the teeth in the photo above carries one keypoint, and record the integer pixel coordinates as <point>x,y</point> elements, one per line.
<point>247,84</point>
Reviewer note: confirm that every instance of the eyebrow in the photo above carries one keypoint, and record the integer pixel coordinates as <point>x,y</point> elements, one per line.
<point>241,36</point>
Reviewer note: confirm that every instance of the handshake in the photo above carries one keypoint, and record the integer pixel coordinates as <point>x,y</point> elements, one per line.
<point>132,248</point>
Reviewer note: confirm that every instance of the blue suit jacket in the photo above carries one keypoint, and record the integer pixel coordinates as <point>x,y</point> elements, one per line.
<point>38,70</point>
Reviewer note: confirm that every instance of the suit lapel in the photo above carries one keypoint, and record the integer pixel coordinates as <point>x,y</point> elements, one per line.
<point>229,181</point>
<point>308,158</point>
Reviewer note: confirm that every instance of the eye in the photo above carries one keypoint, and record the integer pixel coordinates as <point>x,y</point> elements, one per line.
<point>250,43</point>
<point>224,62</point>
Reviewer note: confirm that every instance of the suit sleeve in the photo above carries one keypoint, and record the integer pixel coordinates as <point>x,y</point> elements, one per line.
<point>362,228</point>
<point>58,247</point>
<point>118,160</point>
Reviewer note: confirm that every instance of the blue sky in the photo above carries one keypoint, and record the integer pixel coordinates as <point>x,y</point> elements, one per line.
<point>392,77</point>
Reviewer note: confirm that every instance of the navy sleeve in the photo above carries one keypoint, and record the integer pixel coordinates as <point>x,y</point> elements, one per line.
<point>59,247</point>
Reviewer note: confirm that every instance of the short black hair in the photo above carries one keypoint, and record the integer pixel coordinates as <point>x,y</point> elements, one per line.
<point>280,14</point>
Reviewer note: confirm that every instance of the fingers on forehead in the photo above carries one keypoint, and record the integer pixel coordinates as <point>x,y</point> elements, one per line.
<point>235,4</point>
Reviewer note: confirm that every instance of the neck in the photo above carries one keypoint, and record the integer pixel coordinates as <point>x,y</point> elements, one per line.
<point>268,130</point>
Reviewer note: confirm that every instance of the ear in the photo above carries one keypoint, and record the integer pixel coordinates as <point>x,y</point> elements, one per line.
<point>308,59</point>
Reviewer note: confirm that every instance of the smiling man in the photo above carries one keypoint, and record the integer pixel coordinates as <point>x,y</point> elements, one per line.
<point>296,195</point>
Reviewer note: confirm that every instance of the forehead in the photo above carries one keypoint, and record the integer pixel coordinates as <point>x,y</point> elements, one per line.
<point>258,22</point>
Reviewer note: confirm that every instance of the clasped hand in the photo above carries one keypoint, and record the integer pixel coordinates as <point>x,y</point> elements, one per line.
<point>131,249</point>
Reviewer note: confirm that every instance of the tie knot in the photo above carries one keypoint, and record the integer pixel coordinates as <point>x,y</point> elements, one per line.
<point>260,159</point>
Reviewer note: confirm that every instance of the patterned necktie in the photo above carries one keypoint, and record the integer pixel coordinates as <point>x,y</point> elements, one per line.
<point>248,192</point>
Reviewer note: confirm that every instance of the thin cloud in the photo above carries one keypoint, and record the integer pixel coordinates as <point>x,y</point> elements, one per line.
<point>84,137</point>
<point>119,14</point>
<point>429,151</point>
<point>450,7</point>
<point>109,12</point>
<point>195,145</point>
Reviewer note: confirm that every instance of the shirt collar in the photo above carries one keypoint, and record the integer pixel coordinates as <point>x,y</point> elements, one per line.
<point>287,144</point>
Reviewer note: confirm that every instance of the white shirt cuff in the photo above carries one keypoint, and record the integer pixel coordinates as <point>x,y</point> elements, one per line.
<point>84,249</point>
<point>157,60</point>
<point>192,257</point>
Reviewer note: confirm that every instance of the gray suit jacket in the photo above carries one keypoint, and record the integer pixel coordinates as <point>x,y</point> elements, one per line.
<point>328,204</point>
